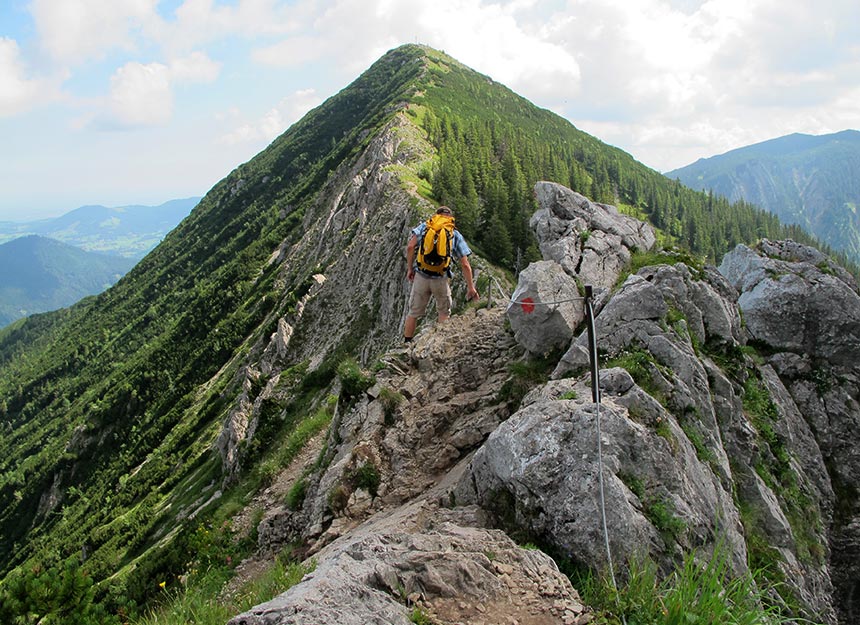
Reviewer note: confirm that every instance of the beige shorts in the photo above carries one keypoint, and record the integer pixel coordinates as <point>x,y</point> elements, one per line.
<point>422,288</point>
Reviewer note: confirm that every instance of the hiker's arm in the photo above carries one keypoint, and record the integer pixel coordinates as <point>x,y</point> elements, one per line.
<point>471,291</point>
<point>410,257</point>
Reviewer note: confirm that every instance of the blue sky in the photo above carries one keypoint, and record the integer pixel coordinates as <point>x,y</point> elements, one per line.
<point>120,102</point>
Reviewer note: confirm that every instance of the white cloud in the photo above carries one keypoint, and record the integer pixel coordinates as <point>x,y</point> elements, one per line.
<point>142,94</point>
<point>17,92</point>
<point>671,81</point>
<point>73,31</point>
<point>198,22</point>
<point>197,67</point>
<point>487,37</point>
<point>293,52</point>
<point>274,122</point>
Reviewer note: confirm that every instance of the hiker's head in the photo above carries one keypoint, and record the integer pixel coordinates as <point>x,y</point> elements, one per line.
<point>444,210</point>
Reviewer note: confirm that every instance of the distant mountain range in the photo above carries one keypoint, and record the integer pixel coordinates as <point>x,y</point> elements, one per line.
<point>129,231</point>
<point>811,181</point>
<point>41,274</point>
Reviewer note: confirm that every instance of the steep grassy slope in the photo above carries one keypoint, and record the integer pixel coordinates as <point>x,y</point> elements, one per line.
<point>807,180</point>
<point>110,409</point>
<point>41,274</point>
<point>103,410</point>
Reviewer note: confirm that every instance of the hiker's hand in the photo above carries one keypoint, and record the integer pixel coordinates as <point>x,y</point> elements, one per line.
<point>410,274</point>
<point>472,294</point>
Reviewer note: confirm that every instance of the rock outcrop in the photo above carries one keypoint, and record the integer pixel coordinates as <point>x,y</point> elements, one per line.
<point>582,243</point>
<point>804,310</point>
<point>401,542</point>
<point>450,574</point>
<point>589,240</point>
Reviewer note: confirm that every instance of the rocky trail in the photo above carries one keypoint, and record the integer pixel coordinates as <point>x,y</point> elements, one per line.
<point>408,550</point>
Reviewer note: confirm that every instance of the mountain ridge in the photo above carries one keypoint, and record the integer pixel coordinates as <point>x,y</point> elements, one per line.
<point>129,231</point>
<point>803,179</point>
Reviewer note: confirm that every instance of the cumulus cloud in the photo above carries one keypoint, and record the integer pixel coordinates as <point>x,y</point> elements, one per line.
<point>490,37</point>
<point>274,122</point>
<point>142,94</point>
<point>197,67</point>
<point>17,92</point>
<point>73,31</point>
<point>198,22</point>
<point>670,81</point>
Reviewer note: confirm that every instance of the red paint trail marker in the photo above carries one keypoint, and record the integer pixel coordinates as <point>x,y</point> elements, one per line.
<point>528,305</point>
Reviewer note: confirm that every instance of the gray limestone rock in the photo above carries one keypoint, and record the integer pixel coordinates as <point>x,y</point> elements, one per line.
<point>581,242</point>
<point>541,469</point>
<point>794,301</point>
<point>591,241</point>
<point>451,574</point>
<point>546,308</point>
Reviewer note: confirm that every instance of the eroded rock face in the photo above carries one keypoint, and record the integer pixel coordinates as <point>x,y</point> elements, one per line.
<point>589,240</point>
<point>432,405</point>
<point>547,308</point>
<point>795,300</point>
<point>452,574</point>
<point>540,471</point>
<point>805,310</point>
<point>678,441</point>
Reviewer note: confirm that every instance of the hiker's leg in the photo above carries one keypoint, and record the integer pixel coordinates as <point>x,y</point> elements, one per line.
<point>409,327</point>
<point>442,294</point>
<point>418,299</point>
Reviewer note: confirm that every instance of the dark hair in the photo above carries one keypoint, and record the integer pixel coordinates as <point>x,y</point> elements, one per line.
<point>444,210</point>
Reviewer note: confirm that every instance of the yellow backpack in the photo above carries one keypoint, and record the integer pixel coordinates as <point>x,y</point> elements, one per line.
<point>434,250</point>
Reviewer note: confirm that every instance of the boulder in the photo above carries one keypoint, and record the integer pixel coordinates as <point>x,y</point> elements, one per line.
<point>540,472</point>
<point>582,243</point>
<point>794,301</point>
<point>589,240</point>
<point>450,574</point>
<point>546,308</point>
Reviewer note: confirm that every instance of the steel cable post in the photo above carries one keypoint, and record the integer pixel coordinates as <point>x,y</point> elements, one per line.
<point>595,396</point>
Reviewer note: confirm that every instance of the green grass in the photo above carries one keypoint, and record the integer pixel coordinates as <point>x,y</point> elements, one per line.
<point>696,593</point>
<point>196,604</point>
<point>640,363</point>
<point>524,376</point>
<point>286,450</point>
<point>420,617</point>
<point>354,380</point>
<point>640,259</point>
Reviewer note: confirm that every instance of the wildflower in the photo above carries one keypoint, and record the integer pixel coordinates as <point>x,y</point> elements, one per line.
<point>162,585</point>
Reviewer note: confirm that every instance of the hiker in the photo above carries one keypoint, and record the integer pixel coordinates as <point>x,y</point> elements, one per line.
<point>428,267</point>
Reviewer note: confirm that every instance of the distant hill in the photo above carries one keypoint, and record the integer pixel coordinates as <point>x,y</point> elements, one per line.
<point>811,181</point>
<point>40,274</point>
<point>129,231</point>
